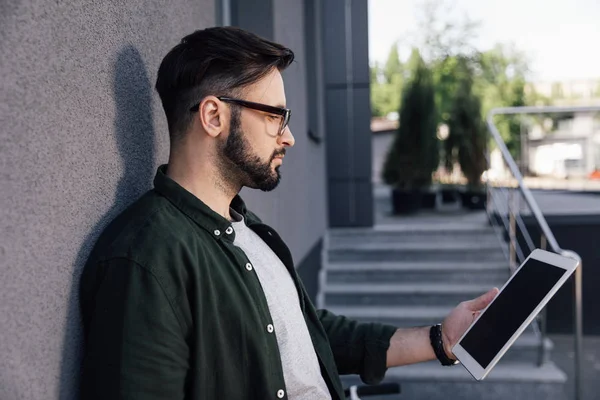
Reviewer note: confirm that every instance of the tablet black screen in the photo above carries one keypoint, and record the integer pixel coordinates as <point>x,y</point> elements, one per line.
<point>504,316</point>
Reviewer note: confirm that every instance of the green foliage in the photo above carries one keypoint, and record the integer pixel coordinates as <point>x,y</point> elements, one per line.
<point>468,137</point>
<point>393,67</point>
<point>386,85</point>
<point>501,83</point>
<point>414,153</point>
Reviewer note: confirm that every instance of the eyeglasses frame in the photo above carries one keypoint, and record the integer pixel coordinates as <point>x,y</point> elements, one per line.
<point>285,113</point>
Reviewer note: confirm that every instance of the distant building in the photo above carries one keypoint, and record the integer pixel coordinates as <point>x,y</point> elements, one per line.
<point>574,90</point>
<point>570,150</point>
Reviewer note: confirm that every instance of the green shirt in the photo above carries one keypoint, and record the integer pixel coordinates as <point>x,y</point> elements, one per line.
<point>173,310</point>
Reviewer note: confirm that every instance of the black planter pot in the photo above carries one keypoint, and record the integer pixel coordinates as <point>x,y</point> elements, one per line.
<point>449,195</point>
<point>428,200</point>
<point>405,201</point>
<point>474,200</point>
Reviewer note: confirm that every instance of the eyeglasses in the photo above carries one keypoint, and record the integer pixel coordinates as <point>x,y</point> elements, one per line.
<point>284,113</point>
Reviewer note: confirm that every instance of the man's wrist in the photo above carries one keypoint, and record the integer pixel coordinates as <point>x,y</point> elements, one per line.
<point>447,344</point>
<point>439,347</point>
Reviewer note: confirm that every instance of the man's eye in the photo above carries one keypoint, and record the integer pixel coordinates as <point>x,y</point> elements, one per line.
<point>272,117</point>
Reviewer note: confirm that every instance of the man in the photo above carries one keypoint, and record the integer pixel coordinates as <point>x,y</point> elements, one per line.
<point>187,294</point>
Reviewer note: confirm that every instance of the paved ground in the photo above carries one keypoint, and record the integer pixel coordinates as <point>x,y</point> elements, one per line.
<point>563,353</point>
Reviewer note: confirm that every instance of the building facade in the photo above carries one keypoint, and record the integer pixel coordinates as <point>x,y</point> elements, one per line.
<point>83,131</point>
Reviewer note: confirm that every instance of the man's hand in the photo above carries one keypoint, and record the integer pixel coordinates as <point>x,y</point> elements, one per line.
<point>459,319</point>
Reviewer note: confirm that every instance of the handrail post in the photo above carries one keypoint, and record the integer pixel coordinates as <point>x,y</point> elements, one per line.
<point>543,319</point>
<point>578,333</point>
<point>578,323</point>
<point>512,232</point>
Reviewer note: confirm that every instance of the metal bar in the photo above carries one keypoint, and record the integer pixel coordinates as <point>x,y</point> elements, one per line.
<point>578,323</point>
<point>526,235</point>
<point>543,316</point>
<point>578,333</point>
<point>511,233</point>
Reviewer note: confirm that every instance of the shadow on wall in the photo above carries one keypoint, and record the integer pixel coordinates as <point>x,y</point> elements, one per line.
<point>134,133</point>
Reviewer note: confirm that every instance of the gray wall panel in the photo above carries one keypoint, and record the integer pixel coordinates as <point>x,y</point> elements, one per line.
<point>334,41</point>
<point>81,134</point>
<point>339,211</point>
<point>352,203</point>
<point>360,42</point>
<point>364,204</point>
<point>362,139</point>
<point>338,162</point>
<point>253,15</point>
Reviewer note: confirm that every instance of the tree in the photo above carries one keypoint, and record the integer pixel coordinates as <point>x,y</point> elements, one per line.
<point>467,141</point>
<point>386,85</point>
<point>414,153</point>
<point>393,66</point>
<point>441,36</point>
<point>501,75</point>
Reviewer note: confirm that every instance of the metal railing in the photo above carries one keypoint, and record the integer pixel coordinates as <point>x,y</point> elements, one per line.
<point>507,197</point>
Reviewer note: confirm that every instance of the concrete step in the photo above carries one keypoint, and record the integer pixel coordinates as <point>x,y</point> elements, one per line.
<point>408,234</point>
<point>433,272</point>
<point>419,252</point>
<point>400,316</point>
<point>412,294</point>
<point>508,380</point>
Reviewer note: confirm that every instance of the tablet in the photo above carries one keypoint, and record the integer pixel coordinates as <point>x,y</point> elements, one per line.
<point>519,301</point>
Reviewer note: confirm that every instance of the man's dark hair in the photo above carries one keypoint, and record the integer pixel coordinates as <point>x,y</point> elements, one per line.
<point>218,61</point>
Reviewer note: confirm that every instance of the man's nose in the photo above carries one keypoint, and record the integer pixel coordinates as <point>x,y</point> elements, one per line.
<point>287,139</point>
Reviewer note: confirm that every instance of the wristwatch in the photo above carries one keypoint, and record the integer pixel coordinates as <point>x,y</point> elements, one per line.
<point>435,335</point>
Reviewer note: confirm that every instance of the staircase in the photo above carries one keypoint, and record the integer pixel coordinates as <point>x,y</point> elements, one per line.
<point>412,273</point>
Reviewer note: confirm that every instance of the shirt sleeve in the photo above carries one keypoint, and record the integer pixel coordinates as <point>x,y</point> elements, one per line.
<point>358,348</point>
<point>135,347</point>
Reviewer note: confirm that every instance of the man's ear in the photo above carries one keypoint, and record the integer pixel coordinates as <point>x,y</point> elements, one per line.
<point>212,113</point>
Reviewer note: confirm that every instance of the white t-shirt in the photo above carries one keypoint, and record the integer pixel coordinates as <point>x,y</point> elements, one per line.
<point>301,370</point>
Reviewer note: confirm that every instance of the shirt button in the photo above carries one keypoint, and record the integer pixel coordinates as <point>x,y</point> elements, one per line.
<point>280,393</point>
<point>229,230</point>
<point>249,267</point>
<point>217,232</point>
<point>270,328</point>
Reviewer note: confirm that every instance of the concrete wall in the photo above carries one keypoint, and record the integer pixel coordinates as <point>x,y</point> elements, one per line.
<point>81,134</point>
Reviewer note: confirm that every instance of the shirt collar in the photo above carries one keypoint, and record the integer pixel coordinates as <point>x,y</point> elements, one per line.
<point>194,208</point>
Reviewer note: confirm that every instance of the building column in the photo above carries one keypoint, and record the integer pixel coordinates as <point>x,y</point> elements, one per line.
<point>348,112</point>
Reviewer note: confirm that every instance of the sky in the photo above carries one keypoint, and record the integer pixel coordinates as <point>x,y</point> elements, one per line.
<point>560,38</point>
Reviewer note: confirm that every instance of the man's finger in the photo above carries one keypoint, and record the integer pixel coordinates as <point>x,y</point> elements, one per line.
<point>482,301</point>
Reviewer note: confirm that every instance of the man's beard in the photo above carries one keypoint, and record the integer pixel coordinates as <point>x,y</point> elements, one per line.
<point>243,166</point>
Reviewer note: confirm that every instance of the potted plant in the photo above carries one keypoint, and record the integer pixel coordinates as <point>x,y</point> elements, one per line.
<point>414,153</point>
<point>468,137</point>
